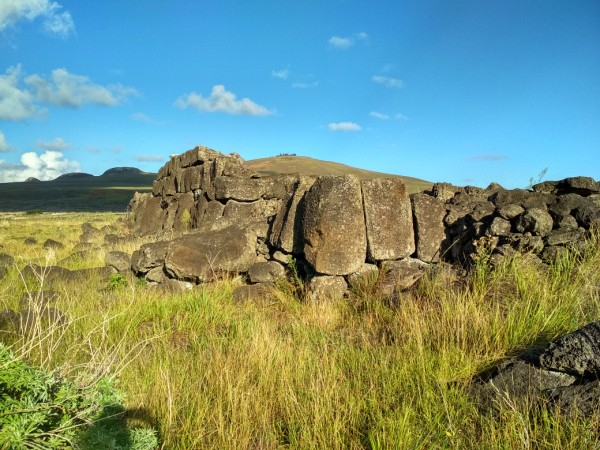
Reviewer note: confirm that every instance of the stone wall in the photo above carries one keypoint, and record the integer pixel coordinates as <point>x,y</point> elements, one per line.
<point>211,216</point>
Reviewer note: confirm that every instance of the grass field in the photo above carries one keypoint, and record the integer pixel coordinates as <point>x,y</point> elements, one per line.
<point>363,373</point>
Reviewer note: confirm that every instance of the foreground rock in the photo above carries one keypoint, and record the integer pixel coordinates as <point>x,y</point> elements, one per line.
<point>566,374</point>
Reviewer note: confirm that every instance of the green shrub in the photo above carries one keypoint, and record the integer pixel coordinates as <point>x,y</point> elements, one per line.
<point>32,212</point>
<point>117,281</point>
<point>40,410</point>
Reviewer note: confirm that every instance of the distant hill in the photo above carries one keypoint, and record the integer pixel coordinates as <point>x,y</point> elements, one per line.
<point>310,166</point>
<point>77,191</point>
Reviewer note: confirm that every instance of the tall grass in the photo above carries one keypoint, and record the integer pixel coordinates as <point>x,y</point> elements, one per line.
<point>360,373</point>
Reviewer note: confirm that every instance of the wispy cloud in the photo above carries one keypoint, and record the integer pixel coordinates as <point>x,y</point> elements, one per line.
<point>343,43</point>
<point>221,100</point>
<point>282,74</point>
<point>16,103</point>
<point>57,145</point>
<point>4,147</point>
<point>486,157</point>
<point>141,117</point>
<point>387,81</point>
<point>379,115</point>
<point>344,126</point>
<point>67,89</point>
<point>55,20</point>
<point>46,166</point>
<point>302,85</point>
<point>149,158</point>
<point>400,116</point>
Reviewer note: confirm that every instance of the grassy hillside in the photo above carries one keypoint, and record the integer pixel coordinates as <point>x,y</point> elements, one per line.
<point>110,192</point>
<point>359,373</point>
<point>310,166</point>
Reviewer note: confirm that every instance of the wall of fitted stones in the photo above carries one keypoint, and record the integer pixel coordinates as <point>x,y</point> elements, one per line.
<point>337,224</point>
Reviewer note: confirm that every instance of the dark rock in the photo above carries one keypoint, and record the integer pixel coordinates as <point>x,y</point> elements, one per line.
<point>578,400</point>
<point>579,185</point>
<point>499,227</point>
<point>262,293</point>
<point>286,233</point>
<point>322,288</point>
<point>510,211</point>
<point>577,353</point>
<point>588,216</point>
<point>265,272</point>
<point>149,256</point>
<point>535,221</point>
<point>388,218</point>
<point>207,255</point>
<point>51,243</point>
<point>3,273</point>
<point>6,260</point>
<point>334,225</point>
<point>562,237</point>
<point>121,261</point>
<point>30,241</point>
<point>428,215</point>
<point>401,275</point>
<point>38,299</point>
<point>444,191</point>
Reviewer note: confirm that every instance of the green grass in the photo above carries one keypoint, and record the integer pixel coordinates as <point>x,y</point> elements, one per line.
<point>360,373</point>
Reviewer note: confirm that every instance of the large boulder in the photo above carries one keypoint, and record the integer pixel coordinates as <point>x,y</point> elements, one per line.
<point>388,218</point>
<point>536,221</point>
<point>149,256</point>
<point>286,233</point>
<point>334,230</point>
<point>207,255</point>
<point>430,232</point>
<point>153,216</point>
<point>577,353</point>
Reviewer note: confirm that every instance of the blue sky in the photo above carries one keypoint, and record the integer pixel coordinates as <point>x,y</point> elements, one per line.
<point>467,91</point>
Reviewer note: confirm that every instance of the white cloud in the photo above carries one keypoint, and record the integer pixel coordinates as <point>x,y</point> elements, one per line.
<point>15,103</point>
<point>340,42</point>
<point>301,85</point>
<point>141,117</point>
<point>379,115</point>
<point>55,21</point>
<point>344,43</point>
<point>57,145</point>
<point>388,81</point>
<point>149,158</point>
<point>400,116</point>
<point>46,166</point>
<point>344,126</point>
<point>282,74</point>
<point>66,89</point>
<point>221,100</point>
<point>4,147</point>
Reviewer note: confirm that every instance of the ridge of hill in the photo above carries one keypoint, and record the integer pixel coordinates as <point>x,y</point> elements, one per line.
<point>305,165</point>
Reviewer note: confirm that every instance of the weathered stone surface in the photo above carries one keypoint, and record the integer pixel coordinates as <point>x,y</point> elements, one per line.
<point>251,211</point>
<point>156,275</point>
<point>154,215</point>
<point>562,237</point>
<point>580,400</point>
<point>444,191</point>
<point>286,233</point>
<point>262,292</point>
<point>428,213</point>
<point>149,256</point>
<point>388,219</point>
<point>579,185</point>
<point>365,274</point>
<point>333,225</point>
<point>510,211</point>
<point>499,227</point>
<point>401,275</point>
<point>576,353</point>
<point>588,216</point>
<point>6,260</point>
<point>265,272</point>
<point>30,241</point>
<point>324,287</point>
<point>523,242</point>
<point>536,221</point>
<point>185,210</point>
<point>241,189</point>
<point>206,255</point>
<point>522,197</point>
<point>121,261</point>
<point>51,243</point>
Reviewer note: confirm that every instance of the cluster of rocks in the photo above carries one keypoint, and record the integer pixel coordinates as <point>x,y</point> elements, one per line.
<point>565,374</point>
<point>212,216</point>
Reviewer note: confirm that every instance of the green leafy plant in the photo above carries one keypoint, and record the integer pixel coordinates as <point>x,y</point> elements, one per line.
<point>38,409</point>
<point>117,281</point>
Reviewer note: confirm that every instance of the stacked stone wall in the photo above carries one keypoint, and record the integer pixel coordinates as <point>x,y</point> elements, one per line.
<point>212,215</point>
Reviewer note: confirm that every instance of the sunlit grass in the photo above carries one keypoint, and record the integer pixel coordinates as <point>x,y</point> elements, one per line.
<point>359,373</point>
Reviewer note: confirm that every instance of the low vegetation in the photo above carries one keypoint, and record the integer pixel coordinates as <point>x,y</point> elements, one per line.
<point>364,372</point>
